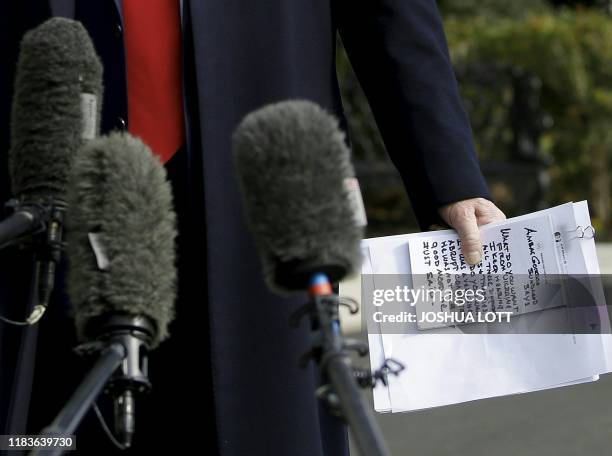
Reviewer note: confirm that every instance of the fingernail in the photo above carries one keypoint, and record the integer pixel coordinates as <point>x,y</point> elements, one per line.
<point>473,257</point>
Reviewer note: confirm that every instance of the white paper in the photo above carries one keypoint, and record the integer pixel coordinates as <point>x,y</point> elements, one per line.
<point>448,367</point>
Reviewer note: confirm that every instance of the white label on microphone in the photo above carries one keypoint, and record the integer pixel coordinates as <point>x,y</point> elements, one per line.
<point>89,110</point>
<point>99,251</point>
<point>351,184</point>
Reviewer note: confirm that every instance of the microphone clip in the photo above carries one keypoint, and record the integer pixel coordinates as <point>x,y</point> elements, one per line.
<point>35,217</point>
<point>328,345</point>
<point>133,333</point>
<point>49,250</point>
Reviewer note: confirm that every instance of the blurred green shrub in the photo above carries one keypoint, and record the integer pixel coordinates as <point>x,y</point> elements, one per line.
<point>491,8</point>
<point>571,53</point>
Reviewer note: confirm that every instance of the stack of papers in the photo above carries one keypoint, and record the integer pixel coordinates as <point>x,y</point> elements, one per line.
<point>444,365</point>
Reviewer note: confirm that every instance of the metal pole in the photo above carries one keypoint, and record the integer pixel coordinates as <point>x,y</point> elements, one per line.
<point>69,418</point>
<point>366,431</point>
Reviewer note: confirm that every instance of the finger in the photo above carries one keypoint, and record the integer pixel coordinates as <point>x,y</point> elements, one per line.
<point>467,227</point>
<point>490,218</point>
<point>489,214</point>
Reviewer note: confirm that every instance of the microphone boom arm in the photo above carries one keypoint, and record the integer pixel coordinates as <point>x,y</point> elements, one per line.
<point>85,395</point>
<point>122,343</point>
<point>24,220</point>
<point>343,393</point>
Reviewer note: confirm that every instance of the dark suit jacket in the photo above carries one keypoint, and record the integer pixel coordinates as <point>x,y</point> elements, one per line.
<point>231,342</point>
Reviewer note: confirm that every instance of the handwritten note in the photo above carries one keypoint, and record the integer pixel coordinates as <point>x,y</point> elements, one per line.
<point>517,257</point>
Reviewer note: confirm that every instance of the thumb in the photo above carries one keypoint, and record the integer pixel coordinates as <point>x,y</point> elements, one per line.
<point>467,227</point>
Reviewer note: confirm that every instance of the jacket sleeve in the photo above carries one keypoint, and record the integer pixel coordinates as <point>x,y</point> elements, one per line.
<point>399,53</point>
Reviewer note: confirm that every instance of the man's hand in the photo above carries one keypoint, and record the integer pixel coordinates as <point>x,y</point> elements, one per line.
<point>465,217</point>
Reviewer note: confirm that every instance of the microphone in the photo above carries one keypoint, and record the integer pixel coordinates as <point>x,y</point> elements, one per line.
<point>56,107</point>
<point>121,250</point>
<point>301,197</point>
<point>306,213</point>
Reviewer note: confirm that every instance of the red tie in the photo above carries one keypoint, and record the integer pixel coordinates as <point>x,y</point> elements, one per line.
<point>153,55</point>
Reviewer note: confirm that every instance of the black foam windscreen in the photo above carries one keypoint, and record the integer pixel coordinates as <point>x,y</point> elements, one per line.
<point>121,238</point>
<point>56,106</point>
<point>294,166</point>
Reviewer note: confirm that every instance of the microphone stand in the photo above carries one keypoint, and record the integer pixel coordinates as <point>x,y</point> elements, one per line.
<point>67,421</point>
<point>330,351</point>
<point>43,225</point>
<point>121,367</point>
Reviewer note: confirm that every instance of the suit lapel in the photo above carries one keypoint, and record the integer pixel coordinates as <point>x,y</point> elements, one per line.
<point>119,5</point>
<point>64,8</point>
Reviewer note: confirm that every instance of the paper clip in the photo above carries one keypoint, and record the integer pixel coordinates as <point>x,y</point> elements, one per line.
<point>587,232</point>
